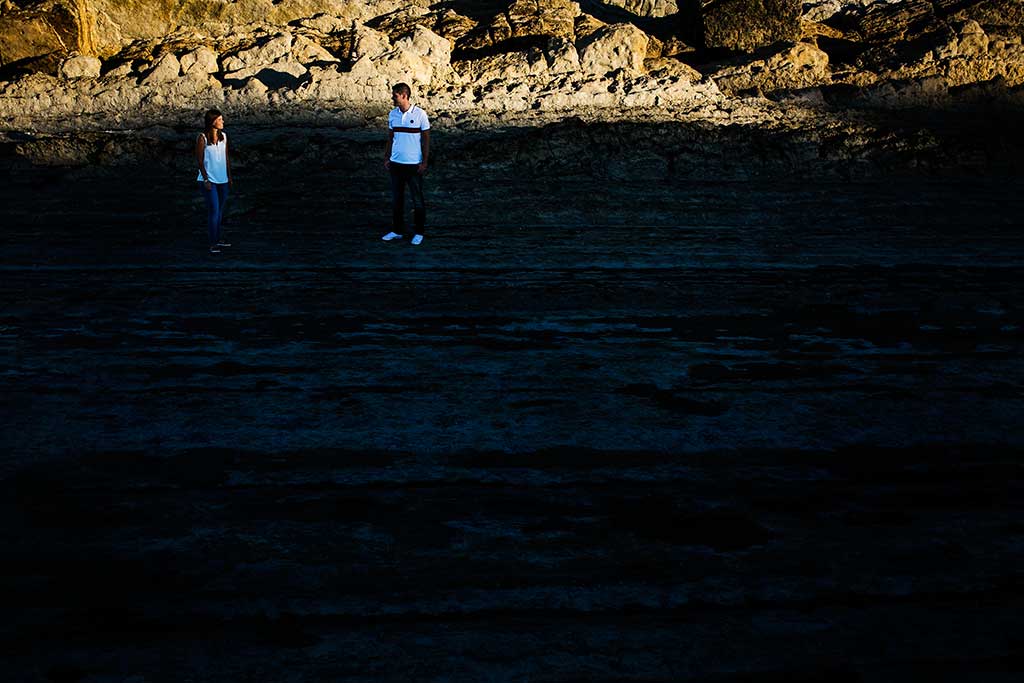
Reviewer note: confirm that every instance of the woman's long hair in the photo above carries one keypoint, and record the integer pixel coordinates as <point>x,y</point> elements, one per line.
<point>212,136</point>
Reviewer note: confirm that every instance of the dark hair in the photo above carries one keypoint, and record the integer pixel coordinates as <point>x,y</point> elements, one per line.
<point>209,118</point>
<point>402,88</point>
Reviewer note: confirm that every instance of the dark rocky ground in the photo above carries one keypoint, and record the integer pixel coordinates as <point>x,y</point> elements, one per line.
<point>598,427</point>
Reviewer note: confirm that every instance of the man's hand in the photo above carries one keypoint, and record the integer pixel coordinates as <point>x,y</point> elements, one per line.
<point>423,168</point>
<point>207,184</point>
<point>387,164</point>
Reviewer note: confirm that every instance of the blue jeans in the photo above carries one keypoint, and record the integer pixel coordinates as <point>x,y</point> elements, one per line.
<point>216,199</point>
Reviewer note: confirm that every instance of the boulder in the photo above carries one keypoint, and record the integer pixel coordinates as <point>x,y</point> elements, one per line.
<point>201,60</point>
<point>525,19</point>
<point>794,67</point>
<point>562,56</point>
<point>268,52</point>
<point>165,70</point>
<point>505,67</point>
<point>308,51</point>
<point>369,44</point>
<point>81,66</point>
<point>672,69</point>
<point>746,25</point>
<point>420,57</point>
<point>399,23</point>
<point>428,44</point>
<point>619,46</point>
<point>646,8</point>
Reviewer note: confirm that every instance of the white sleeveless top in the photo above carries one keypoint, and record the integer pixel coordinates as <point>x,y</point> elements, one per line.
<point>216,160</point>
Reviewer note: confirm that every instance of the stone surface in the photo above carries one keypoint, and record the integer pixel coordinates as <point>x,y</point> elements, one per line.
<point>27,36</point>
<point>267,52</point>
<point>201,60</point>
<point>81,66</point>
<point>647,8</point>
<point>746,25</point>
<point>526,19</point>
<point>541,55</point>
<point>619,46</point>
<point>791,68</point>
<point>165,70</point>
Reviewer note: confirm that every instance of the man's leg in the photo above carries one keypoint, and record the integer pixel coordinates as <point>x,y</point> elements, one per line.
<point>419,208</point>
<point>397,198</point>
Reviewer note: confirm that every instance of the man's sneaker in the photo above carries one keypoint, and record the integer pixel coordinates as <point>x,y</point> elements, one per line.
<point>223,244</point>
<point>214,249</point>
<point>391,236</point>
<point>416,239</point>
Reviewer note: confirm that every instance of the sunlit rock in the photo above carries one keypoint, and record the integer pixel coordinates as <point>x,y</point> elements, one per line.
<point>201,60</point>
<point>81,66</point>
<point>526,19</point>
<point>620,46</point>
<point>166,69</point>
<point>647,8</point>
<point>797,66</point>
<point>267,53</point>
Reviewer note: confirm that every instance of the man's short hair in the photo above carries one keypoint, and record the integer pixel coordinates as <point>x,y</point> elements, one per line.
<point>402,89</point>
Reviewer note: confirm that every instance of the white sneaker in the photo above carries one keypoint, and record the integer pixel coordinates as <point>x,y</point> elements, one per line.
<point>391,236</point>
<point>416,239</point>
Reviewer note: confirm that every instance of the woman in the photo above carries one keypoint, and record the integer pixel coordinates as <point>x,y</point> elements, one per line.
<point>214,174</point>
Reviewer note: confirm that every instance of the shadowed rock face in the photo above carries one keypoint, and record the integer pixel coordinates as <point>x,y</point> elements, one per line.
<point>746,25</point>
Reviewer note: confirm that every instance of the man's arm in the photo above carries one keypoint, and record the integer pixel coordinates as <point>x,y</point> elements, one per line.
<point>425,147</point>
<point>387,151</point>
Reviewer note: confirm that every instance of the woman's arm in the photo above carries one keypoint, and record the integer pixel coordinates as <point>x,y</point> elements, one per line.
<point>227,162</point>
<point>201,159</point>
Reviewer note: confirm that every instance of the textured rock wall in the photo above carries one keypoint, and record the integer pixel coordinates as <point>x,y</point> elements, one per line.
<point>749,24</point>
<point>144,60</point>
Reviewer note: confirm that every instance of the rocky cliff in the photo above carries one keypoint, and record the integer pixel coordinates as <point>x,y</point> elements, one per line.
<point>776,64</point>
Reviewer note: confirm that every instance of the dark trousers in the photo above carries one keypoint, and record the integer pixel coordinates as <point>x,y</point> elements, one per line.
<point>403,175</point>
<point>216,199</point>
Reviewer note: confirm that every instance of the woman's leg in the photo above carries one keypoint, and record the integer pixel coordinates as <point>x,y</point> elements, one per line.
<point>212,200</point>
<point>222,202</point>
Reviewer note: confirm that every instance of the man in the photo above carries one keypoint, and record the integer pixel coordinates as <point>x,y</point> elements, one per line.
<point>406,160</point>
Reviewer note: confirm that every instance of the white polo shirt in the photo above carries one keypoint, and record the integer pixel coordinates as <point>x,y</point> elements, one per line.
<point>406,147</point>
